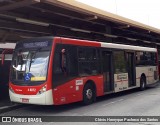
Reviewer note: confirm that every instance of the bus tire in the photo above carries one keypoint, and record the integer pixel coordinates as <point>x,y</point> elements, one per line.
<point>142,83</point>
<point>89,95</point>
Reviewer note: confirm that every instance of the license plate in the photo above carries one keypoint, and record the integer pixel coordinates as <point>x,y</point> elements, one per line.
<point>24,100</point>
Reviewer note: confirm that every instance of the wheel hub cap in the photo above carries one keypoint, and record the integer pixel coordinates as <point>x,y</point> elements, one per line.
<point>89,93</point>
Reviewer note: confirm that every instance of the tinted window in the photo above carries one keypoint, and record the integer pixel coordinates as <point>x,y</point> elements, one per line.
<point>88,60</point>
<point>145,58</point>
<point>119,62</point>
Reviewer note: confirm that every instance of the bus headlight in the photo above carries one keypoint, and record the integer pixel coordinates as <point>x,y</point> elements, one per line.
<point>10,88</point>
<point>42,90</point>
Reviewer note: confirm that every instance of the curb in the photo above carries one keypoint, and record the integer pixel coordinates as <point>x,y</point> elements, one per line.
<point>10,108</point>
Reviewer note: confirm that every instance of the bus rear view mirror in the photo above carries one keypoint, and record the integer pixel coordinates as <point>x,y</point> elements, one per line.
<point>63,60</point>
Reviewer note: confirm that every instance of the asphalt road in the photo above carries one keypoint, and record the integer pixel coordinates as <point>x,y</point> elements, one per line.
<point>128,103</point>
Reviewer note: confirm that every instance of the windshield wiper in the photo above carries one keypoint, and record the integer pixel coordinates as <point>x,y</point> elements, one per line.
<point>32,55</point>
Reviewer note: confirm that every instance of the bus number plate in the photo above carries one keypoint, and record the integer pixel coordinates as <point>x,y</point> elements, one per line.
<point>24,100</point>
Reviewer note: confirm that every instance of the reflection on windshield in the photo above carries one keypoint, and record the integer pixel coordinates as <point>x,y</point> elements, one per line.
<point>30,65</point>
<point>20,61</point>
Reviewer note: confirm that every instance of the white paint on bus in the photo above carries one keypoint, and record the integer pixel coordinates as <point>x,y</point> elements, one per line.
<point>127,47</point>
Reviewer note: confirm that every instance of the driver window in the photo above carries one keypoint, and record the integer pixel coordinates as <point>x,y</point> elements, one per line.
<point>64,63</point>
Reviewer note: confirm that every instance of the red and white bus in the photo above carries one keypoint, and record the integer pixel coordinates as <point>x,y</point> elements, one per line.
<point>6,50</point>
<point>57,70</point>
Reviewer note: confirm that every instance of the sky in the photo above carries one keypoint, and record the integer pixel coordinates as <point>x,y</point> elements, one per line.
<point>143,11</point>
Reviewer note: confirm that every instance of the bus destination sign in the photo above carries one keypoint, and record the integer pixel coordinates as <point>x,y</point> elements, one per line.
<point>35,44</point>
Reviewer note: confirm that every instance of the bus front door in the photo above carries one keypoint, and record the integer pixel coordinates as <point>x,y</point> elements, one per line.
<point>131,69</point>
<point>107,71</point>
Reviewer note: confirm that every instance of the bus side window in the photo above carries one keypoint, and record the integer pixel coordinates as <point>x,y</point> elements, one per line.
<point>138,58</point>
<point>59,64</point>
<point>145,58</point>
<point>88,61</point>
<point>119,62</point>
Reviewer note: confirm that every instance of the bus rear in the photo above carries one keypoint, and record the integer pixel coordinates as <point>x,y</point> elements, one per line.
<point>29,79</point>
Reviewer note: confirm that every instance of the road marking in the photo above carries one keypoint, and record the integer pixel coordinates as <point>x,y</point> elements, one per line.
<point>4,107</point>
<point>113,102</point>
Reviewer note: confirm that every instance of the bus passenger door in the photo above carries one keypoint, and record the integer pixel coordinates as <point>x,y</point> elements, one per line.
<point>131,69</point>
<point>107,71</point>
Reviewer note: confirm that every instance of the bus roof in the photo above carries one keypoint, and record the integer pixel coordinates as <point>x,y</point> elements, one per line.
<point>100,44</point>
<point>7,45</point>
<point>127,47</point>
<point>111,45</point>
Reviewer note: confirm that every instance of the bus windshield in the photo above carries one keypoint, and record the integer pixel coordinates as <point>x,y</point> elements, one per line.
<point>29,66</point>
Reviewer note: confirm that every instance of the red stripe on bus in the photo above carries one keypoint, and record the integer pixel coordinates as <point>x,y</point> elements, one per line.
<point>121,81</point>
<point>80,42</point>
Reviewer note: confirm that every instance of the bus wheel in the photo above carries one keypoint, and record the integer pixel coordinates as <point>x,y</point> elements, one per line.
<point>142,83</point>
<point>88,94</point>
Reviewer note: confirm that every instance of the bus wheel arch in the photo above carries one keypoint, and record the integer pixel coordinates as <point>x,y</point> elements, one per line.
<point>89,92</point>
<point>143,82</point>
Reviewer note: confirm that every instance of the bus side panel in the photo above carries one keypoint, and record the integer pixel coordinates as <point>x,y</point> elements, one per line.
<point>99,83</point>
<point>149,72</point>
<point>158,65</point>
<point>139,71</point>
<point>72,91</point>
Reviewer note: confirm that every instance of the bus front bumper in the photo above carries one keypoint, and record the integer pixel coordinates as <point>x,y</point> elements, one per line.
<point>45,98</point>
